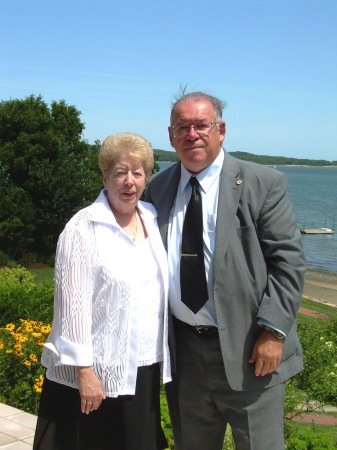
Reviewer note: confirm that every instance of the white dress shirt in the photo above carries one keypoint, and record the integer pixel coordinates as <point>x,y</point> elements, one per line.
<point>209,190</point>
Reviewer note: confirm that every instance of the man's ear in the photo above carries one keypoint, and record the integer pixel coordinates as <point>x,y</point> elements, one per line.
<point>222,130</point>
<point>170,135</point>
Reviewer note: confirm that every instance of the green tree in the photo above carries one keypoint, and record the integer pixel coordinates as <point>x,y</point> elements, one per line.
<point>47,173</point>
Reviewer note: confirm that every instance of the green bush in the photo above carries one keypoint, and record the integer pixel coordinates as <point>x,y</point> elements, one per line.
<point>9,277</point>
<point>310,439</point>
<point>22,298</point>
<point>319,342</point>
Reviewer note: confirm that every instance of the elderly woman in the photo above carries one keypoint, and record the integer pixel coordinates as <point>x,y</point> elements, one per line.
<point>109,334</point>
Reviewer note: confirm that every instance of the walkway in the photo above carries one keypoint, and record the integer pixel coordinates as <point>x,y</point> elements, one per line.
<point>16,429</point>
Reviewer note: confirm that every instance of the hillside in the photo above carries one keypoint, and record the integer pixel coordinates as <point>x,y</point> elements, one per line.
<point>164,155</point>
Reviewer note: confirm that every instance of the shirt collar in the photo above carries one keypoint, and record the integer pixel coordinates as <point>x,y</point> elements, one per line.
<point>101,211</point>
<point>206,177</point>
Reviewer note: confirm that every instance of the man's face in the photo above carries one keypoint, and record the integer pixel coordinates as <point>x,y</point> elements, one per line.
<point>196,152</point>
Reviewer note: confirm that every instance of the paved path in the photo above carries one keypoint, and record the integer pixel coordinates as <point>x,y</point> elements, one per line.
<point>16,429</point>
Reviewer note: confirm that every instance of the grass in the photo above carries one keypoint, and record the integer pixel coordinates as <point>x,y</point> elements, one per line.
<point>43,274</point>
<point>319,307</point>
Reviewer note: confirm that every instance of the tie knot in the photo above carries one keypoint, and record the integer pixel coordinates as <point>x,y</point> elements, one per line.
<point>194,182</point>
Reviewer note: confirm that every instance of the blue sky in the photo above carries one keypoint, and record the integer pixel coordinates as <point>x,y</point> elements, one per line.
<point>121,62</point>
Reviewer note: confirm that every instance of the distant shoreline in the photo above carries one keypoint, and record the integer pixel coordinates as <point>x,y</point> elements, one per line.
<point>272,165</point>
<point>301,165</point>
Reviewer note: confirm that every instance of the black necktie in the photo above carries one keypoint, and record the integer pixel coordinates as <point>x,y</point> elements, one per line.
<point>193,282</point>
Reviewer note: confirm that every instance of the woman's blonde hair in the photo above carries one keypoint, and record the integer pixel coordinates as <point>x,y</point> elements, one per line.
<point>128,144</point>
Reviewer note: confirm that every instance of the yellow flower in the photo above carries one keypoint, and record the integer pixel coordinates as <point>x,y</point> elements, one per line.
<point>45,329</point>
<point>10,327</point>
<point>38,384</point>
<point>33,357</point>
<point>27,363</point>
<point>20,338</point>
<point>36,335</point>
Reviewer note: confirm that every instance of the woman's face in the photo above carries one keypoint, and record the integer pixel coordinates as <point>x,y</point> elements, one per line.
<point>125,184</point>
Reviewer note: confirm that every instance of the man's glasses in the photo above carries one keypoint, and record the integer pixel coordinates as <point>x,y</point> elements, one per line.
<point>201,128</point>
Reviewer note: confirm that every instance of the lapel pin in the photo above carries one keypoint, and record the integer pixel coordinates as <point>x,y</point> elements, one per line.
<point>239,181</point>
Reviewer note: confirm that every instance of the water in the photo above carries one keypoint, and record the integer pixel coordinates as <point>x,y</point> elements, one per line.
<point>313,192</point>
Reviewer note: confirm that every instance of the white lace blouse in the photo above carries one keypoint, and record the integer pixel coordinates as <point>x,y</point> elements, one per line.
<point>110,304</point>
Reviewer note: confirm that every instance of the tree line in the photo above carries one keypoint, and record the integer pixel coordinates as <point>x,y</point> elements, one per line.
<point>48,171</point>
<point>164,155</point>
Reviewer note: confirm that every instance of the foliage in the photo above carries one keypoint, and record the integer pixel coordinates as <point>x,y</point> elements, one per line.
<point>5,260</point>
<point>22,298</point>
<point>166,155</point>
<point>19,275</point>
<point>319,343</point>
<point>47,173</point>
<point>310,438</point>
<point>165,418</point>
<point>280,160</point>
<point>21,373</point>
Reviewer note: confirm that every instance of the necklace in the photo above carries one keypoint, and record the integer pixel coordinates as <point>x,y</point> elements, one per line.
<point>124,228</point>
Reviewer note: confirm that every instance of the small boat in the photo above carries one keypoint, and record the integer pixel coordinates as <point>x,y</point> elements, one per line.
<point>317,231</point>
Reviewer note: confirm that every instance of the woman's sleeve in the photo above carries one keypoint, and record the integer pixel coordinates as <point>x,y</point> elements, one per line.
<point>73,296</point>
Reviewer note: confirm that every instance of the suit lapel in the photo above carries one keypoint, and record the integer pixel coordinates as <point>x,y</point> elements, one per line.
<point>164,205</point>
<point>229,196</point>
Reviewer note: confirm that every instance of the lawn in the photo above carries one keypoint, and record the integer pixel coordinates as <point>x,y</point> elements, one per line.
<point>317,306</point>
<point>43,274</point>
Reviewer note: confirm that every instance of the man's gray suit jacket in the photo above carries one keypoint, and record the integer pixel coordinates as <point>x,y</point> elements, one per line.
<point>259,264</point>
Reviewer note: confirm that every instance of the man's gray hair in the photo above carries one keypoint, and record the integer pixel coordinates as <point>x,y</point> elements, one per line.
<point>218,105</point>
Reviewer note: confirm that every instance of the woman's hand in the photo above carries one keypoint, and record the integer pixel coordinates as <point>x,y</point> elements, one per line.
<point>90,388</point>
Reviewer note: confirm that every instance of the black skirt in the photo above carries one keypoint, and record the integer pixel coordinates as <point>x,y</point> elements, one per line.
<point>128,422</point>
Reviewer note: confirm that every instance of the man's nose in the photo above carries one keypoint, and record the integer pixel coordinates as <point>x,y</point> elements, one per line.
<point>192,134</point>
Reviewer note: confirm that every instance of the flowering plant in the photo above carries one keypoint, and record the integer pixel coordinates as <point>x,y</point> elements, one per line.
<point>21,373</point>
<point>319,375</point>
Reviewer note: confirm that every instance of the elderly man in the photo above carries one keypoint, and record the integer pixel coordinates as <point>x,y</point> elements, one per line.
<point>233,298</point>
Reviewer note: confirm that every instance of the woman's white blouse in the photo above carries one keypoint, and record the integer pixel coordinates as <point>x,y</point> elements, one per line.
<point>110,304</point>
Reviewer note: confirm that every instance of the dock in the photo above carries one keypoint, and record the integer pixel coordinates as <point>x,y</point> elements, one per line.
<point>317,231</point>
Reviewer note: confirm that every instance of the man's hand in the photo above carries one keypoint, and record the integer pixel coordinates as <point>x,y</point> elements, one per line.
<point>91,391</point>
<point>267,353</point>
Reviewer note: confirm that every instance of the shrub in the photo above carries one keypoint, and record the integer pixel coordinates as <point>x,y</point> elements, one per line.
<point>22,298</point>
<point>18,275</point>
<point>319,375</point>
<point>310,439</point>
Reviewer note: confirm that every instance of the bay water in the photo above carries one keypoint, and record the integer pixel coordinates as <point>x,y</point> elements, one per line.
<point>313,192</point>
